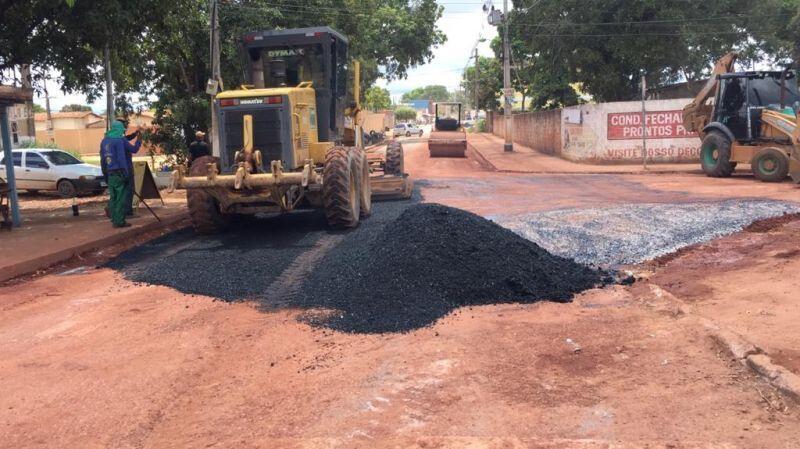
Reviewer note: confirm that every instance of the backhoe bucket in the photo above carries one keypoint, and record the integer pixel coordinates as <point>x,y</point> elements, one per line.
<point>447,144</point>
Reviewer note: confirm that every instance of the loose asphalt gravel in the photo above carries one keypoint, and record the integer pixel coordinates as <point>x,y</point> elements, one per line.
<point>632,233</point>
<point>410,263</point>
<point>403,268</point>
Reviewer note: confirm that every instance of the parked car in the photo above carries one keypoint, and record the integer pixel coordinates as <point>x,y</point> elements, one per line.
<point>38,169</point>
<point>406,129</point>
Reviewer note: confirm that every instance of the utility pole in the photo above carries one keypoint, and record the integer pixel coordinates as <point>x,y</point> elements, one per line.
<point>109,88</point>
<point>477,74</point>
<point>27,83</point>
<point>50,133</point>
<point>644,124</point>
<point>216,78</point>
<point>508,91</point>
<point>13,201</point>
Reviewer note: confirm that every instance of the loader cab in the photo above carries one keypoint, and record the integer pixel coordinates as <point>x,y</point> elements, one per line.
<point>741,97</point>
<point>286,58</point>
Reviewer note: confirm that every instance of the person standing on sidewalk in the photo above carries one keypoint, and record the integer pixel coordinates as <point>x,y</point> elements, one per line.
<point>198,148</point>
<point>114,153</point>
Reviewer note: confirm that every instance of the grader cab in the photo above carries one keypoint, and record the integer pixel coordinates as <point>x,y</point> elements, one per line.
<point>291,137</point>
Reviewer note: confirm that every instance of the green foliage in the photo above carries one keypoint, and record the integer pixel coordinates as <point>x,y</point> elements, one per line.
<point>37,108</point>
<point>490,82</point>
<point>161,48</point>
<point>480,126</point>
<point>606,45</point>
<point>405,114</point>
<point>76,108</point>
<point>433,93</point>
<point>377,98</point>
<point>39,144</point>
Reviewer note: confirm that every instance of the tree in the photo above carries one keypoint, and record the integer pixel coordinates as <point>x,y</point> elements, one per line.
<point>433,93</point>
<point>76,108</point>
<point>377,98</point>
<point>161,48</point>
<point>490,82</point>
<point>37,108</point>
<point>405,114</point>
<point>606,45</point>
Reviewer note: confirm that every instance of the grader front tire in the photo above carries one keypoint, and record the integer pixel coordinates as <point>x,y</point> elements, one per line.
<point>394,158</point>
<point>340,188</point>
<point>365,188</point>
<point>204,208</point>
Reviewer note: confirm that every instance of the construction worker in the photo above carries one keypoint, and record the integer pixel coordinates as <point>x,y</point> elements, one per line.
<point>198,148</point>
<point>131,180</point>
<point>114,153</point>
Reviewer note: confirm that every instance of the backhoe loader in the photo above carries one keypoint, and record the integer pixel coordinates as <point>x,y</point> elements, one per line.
<point>291,137</point>
<point>747,117</point>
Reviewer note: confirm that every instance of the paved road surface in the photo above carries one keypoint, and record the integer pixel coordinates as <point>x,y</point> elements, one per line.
<point>93,360</point>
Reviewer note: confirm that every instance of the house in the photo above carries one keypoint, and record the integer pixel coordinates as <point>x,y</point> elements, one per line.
<point>70,120</point>
<point>20,118</point>
<point>82,131</point>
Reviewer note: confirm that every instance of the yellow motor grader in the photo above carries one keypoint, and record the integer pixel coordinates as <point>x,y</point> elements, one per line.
<point>747,117</point>
<point>291,138</point>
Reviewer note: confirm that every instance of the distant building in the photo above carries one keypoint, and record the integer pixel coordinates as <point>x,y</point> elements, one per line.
<point>425,106</point>
<point>678,90</point>
<point>82,131</point>
<point>70,120</point>
<point>22,128</point>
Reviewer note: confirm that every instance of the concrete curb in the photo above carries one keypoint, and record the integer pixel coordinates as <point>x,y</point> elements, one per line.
<point>490,166</point>
<point>741,350</point>
<point>479,157</point>
<point>780,377</point>
<point>42,262</point>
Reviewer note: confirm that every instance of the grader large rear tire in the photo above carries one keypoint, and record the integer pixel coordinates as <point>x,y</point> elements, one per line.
<point>364,186</point>
<point>340,188</point>
<point>394,158</point>
<point>204,208</point>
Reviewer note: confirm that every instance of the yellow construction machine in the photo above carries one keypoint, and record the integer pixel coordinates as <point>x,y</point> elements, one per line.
<point>291,138</point>
<point>747,117</point>
<point>448,138</point>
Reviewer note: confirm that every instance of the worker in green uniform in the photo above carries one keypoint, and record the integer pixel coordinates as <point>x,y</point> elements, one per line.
<point>114,153</point>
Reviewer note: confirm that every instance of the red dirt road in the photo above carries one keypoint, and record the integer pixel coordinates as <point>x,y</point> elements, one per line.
<point>91,360</point>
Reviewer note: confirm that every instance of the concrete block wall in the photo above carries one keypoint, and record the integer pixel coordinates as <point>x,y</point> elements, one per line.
<point>607,133</point>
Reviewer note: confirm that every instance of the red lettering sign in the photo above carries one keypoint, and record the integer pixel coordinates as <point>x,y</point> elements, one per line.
<point>659,125</point>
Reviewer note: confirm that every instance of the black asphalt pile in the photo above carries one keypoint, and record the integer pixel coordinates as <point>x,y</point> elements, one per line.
<point>403,268</point>
<point>429,261</point>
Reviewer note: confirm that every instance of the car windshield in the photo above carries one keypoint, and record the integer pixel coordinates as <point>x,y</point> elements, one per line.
<point>60,158</point>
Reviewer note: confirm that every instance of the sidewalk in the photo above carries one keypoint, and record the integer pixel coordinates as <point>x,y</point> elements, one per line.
<point>50,234</point>
<point>488,149</point>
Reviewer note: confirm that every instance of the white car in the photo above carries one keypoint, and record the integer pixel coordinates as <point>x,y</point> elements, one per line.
<point>406,129</point>
<point>38,169</point>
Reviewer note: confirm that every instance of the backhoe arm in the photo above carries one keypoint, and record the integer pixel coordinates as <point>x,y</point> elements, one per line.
<point>697,114</point>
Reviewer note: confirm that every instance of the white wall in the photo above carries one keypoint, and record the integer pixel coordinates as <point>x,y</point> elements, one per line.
<point>612,133</point>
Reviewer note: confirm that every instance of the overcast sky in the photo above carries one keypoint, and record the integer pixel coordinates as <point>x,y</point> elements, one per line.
<point>463,21</point>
